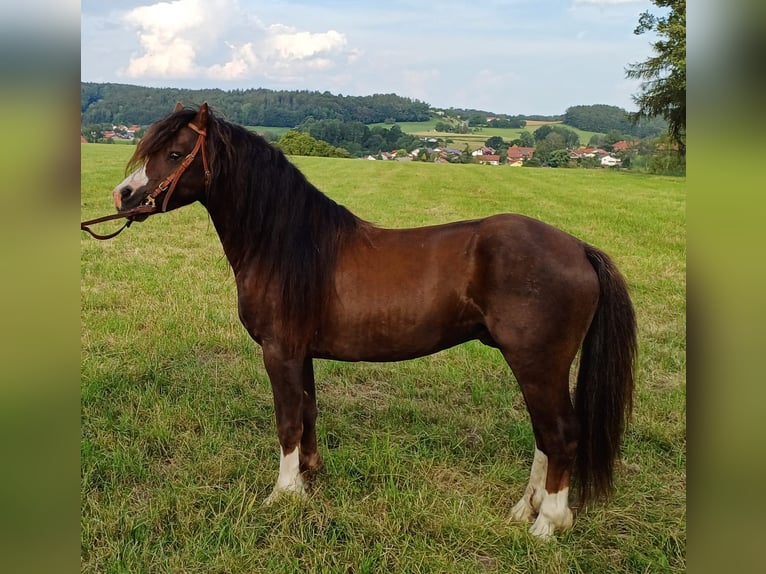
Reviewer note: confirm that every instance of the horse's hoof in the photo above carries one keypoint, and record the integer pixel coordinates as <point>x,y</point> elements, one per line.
<point>298,493</point>
<point>310,464</point>
<point>522,511</point>
<point>542,529</point>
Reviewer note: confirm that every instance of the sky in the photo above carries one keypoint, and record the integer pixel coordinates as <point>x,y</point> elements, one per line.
<point>502,56</point>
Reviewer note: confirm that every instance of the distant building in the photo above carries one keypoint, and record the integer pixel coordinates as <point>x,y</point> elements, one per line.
<point>588,152</point>
<point>621,146</point>
<point>488,159</point>
<point>518,153</point>
<point>483,150</point>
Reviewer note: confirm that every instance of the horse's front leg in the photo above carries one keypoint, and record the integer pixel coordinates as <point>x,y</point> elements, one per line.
<point>310,461</point>
<point>287,373</point>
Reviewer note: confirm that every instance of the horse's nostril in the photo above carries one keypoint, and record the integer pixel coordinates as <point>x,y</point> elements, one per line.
<point>126,191</point>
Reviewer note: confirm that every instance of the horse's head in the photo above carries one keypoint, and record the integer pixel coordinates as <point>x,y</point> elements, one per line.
<point>170,164</point>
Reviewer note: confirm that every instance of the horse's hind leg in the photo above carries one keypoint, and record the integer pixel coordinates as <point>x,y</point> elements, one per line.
<point>529,504</point>
<point>546,392</point>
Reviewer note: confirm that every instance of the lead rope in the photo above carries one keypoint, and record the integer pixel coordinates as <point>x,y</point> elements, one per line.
<point>144,209</point>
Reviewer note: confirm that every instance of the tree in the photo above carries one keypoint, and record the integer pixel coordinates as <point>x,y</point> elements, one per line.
<point>569,137</point>
<point>477,120</point>
<point>526,139</point>
<point>596,140</point>
<point>598,118</point>
<point>663,87</point>
<point>559,158</point>
<point>300,143</point>
<point>544,150</point>
<point>495,142</point>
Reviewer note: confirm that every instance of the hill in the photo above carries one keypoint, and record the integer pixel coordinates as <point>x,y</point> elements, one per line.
<point>126,104</point>
<point>114,104</point>
<point>602,118</point>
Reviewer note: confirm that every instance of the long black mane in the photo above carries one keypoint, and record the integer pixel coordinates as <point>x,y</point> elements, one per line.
<point>267,214</point>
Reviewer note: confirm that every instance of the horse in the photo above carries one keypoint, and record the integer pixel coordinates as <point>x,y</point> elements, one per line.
<point>314,281</point>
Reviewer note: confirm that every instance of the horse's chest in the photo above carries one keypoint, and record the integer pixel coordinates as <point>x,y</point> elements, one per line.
<point>256,311</point>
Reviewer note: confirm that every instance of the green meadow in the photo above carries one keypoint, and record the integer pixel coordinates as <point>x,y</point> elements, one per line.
<point>423,459</point>
<point>476,139</point>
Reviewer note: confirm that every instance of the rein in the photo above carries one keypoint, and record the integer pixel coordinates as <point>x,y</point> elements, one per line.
<point>85,225</point>
<point>168,184</point>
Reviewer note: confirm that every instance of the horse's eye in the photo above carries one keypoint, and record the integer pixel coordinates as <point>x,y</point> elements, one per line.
<point>174,156</point>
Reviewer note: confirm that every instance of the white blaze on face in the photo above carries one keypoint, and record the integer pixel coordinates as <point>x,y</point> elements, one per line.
<point>134,181</point>
<point>289,479</point>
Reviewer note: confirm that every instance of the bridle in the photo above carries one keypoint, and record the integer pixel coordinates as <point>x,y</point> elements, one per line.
<point>166,185</point>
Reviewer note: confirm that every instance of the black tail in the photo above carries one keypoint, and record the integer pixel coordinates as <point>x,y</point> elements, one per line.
<point>604,395</point>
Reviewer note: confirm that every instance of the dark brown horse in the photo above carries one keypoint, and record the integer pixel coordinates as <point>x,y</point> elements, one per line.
<point>315,281</point>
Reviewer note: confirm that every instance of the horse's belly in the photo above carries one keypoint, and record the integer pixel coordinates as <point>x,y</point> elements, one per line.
<point>396,335</point>
<point>402,295</point>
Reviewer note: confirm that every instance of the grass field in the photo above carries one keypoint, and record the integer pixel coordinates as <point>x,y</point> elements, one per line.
<point>423,459</point>
<point>476,139</point>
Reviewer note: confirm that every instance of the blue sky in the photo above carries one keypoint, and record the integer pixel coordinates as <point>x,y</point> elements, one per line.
<point>504,56</point>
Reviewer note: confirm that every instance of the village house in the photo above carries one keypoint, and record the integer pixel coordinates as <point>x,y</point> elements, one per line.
<point>488,159</point>
<point>483,150</point>
<point>517,155</point>
<point>587,152</point>
<point>621,146</point>
<point>610,161</point>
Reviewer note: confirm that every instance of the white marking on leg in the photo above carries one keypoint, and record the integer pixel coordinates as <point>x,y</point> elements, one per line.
<point>289,479</point>
<point>555,514</point>
<point>534,494</point>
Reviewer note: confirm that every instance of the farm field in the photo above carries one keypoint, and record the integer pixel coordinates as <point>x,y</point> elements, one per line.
<point>279,131</point>
<point>423,459</point>
<point>411,127</point>
<point>476,139</point>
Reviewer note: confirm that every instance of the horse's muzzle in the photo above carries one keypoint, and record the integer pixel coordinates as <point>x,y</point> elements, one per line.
<point>128,194</point>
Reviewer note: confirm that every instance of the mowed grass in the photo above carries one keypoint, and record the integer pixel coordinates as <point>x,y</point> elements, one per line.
<point>423,459</point>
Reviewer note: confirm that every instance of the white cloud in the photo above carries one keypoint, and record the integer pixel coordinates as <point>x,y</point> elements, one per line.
<point>179,39</point>
<point>165,32</point>
<point>243,59</point>
<point>291,44</point>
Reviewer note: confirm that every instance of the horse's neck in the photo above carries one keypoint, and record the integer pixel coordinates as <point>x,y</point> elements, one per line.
<point>233,244</point>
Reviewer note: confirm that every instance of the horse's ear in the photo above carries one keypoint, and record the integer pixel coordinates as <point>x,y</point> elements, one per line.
<point>200,120</point>
<point>179,107</point>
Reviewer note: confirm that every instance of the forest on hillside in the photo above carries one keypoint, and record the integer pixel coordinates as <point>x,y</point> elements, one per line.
<point>125,104</point>
<point>602,118</point>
